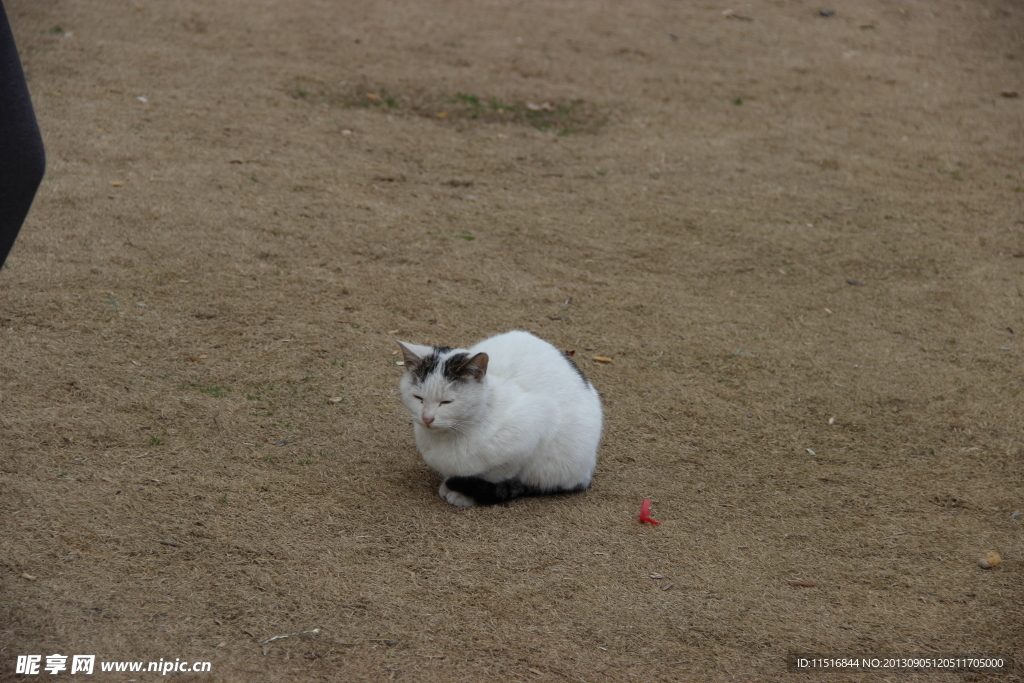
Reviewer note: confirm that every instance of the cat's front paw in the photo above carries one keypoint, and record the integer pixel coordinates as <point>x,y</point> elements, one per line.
<point>455,498</point>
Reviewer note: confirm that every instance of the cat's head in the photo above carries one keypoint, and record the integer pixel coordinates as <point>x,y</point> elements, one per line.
<point>443,388</point>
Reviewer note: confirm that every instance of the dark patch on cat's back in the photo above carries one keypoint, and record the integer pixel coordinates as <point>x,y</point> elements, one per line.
<point>428,364</point>
<point>484,492</point>
<point>586,382</point>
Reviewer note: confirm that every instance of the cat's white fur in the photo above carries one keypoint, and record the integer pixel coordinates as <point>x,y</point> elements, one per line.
<point>530,416</point>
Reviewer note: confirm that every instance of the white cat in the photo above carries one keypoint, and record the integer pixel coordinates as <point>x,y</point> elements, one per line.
<point>512,416</point>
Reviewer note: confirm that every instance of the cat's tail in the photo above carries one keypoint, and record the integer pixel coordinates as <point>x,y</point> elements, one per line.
<point>485,492</point>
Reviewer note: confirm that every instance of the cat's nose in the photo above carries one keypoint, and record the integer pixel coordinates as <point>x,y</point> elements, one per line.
<point>427,420</point>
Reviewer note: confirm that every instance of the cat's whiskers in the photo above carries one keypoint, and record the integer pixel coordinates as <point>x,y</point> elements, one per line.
<point>457,426</point>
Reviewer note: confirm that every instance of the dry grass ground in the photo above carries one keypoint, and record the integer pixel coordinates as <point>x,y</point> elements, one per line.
<point>799,238</point>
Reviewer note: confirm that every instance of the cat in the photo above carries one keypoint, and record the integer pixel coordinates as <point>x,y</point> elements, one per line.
<point>513,416</point>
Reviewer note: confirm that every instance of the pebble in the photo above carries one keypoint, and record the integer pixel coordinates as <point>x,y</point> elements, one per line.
<point>990,560</point>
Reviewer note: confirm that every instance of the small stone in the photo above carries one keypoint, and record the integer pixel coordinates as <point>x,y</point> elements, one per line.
<point>990,560</point>
<point>827,12</point>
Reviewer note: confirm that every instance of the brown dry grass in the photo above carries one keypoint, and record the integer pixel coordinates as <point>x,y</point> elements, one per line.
<point>178,482</point>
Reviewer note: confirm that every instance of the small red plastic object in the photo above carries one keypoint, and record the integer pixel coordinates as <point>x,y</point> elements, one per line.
<point>645,513</point>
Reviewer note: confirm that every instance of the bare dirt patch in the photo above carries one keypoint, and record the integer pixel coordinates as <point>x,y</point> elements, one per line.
<point>796,237</point>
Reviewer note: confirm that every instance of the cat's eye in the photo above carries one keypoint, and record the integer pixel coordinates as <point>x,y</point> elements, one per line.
<point>444,403</point>
<point>418,398</point>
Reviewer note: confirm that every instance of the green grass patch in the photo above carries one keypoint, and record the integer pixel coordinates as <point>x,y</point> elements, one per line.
<point>560,118</point>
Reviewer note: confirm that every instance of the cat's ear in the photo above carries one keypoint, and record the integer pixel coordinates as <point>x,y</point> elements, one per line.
<point>475,367</point>
<point>414,355</point>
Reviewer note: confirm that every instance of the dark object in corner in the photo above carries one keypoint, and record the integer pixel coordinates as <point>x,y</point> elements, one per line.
<point>22,162</point>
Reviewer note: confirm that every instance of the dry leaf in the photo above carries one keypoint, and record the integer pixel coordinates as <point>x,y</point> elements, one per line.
<point>336,399</point>
<point>373,97</point>
<point>602,359</point>
<point>116,183</point>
